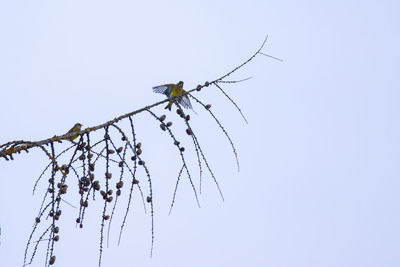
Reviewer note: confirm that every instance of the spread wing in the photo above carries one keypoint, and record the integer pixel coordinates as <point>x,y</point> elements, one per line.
<point>163,89</point>
<point>185,102</point>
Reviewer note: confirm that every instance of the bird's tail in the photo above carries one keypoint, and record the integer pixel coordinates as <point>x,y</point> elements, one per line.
<point>169,106</point>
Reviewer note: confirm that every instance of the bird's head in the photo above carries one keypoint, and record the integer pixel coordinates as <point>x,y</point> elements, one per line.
<point>180,84</point>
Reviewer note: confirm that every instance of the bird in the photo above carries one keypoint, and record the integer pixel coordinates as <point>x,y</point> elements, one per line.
<point>174,92</point>
<point>75,129</point>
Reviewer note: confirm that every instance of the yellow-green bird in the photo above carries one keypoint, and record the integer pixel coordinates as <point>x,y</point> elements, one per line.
<point>75,129</point>
<point>174,92</point>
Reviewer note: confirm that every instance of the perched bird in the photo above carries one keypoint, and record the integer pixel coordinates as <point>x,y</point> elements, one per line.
<point>174,92</point>
<point>75,129</point>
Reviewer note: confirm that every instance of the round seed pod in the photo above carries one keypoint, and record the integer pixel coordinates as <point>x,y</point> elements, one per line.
<point>106,217</point>
<point>96,185</point>
<point>179,111</point>
<point>63,190</point>
<point>138,145</point>
<point>56,217</point>
<point>135,181</point>
<point>50,190</point>
<point>52,260</point>
<point>108,175</point>
<point>206,84</point>
<point>169,124</point>
<point>139,151</point>
<point>90,155</point>
<point>162,126</point>
<point>176,143</point>
<point>82,157</point>
<point>91,177</point>
<point>148,199</point>
<point>78,220</point>
<point>118,193</point>
<point>119,150</point>
<point>103,194</point>
<point>141,162</point>
<point>111,151</point>
<point>182,149</point>
<point>189,131</point>
<point>58,213</point>
<point>133,158</point>
<point>208,106</point>
<point>187,118</point>
<point>120,164</point>
<point>56,238</point>
<point>37,220</point>
<point>109,199</point>
<point>109,192</point>
<point>198,88</point>
<point>56,229</point>
<point>123,138</point>
<point>120,184</point>
<point>162,118</point>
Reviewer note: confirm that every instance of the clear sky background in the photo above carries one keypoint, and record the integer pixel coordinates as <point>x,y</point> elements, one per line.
<point>319,181</point>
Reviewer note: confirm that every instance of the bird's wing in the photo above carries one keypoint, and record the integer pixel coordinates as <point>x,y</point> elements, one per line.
<point>185,102</point>
<point>163,89</point>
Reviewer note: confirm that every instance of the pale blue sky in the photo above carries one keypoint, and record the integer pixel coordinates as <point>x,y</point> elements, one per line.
<point>319,182</point>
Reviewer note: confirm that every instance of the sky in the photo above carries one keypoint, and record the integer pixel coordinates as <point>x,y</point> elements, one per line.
<point>319,159</point>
